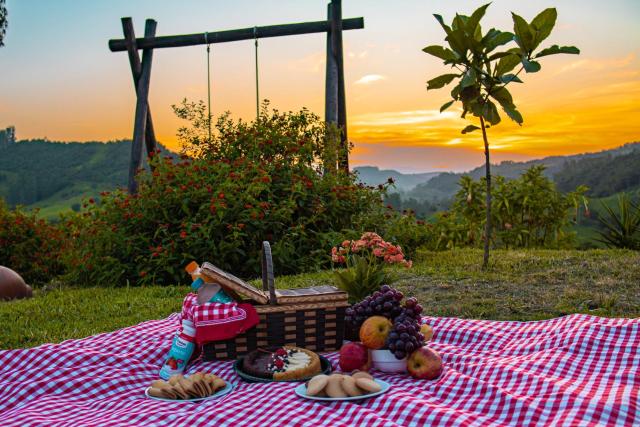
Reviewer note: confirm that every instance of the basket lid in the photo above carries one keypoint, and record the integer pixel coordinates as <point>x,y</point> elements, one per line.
<point>235,283</point>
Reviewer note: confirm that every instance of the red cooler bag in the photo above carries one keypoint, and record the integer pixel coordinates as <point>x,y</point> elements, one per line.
<point>216,321</point>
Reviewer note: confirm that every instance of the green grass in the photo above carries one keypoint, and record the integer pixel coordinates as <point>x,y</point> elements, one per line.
<point>520,285</point>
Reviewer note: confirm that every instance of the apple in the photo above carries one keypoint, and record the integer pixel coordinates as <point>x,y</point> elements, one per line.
<point>354,355</point>
<point>425,363</point>
<point>374,331</point>
<point>427,331</point>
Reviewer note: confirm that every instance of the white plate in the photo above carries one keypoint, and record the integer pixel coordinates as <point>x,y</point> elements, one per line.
<point>226,390</point>
<point>301,391</point>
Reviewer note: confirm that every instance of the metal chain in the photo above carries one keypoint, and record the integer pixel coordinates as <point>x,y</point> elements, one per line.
<point>206,39</point>
<point>255,37</point>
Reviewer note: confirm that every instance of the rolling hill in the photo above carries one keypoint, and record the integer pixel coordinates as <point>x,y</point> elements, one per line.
<point>55,176</point>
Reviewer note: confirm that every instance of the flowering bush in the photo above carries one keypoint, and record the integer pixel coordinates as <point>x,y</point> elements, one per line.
<point>365,260</point>
<point>266,180</point>
<point>29,245</point>
<point>370,243</point>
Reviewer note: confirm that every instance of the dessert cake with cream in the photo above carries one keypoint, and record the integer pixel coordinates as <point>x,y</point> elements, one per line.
<point>281,364</point>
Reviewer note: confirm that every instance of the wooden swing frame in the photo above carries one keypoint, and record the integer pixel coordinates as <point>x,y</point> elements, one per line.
<point>335,103</point>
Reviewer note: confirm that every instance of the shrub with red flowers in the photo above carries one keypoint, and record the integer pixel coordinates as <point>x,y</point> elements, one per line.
<point>29,246</point>
<point>365,260</point>
<point>273,179</point>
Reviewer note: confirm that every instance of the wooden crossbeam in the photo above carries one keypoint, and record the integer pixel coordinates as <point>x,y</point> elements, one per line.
<point>119,45</point>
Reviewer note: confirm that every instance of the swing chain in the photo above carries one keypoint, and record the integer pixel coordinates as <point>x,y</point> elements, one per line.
<point>206,40</point>
<point>255,37</point>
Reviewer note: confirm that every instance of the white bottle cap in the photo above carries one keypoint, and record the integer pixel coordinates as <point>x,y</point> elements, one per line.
<point>188,328</point>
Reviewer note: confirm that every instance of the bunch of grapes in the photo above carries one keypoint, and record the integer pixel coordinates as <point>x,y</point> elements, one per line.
<point>385,302</point>
<point>405,337</point>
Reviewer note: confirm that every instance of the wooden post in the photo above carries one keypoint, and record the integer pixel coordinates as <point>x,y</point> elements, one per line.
<point>142,108</point>
<point>136,70</point>
<point>331,79</point>
<point>336,17</point>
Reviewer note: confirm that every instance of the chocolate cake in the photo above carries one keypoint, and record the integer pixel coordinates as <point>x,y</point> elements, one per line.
<point>284,363</point>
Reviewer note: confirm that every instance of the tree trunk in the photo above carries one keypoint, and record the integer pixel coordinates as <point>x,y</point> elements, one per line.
<point>487,225</point>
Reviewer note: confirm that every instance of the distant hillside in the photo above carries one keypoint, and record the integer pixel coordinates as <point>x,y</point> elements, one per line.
<point>55,176</point>
<point>372,175</point>
<point>603,175</point>
<point>571,170</point>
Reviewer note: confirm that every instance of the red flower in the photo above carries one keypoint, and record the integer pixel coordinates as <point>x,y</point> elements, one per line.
<point>143,273</point>
<point>220,195</point>
<point>183,234</point>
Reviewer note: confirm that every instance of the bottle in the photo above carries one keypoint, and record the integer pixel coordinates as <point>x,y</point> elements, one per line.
<point>210,292</point>
<point>181,350</point>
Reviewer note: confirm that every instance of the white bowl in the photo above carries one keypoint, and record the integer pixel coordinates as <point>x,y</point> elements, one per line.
<point>385,361</point>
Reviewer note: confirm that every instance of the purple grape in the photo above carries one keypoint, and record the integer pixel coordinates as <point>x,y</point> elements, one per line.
<point>418,309</point>
<point>385,288</point>
<point>409,347</point>
<point>404,336</point>
<point>400,354</point>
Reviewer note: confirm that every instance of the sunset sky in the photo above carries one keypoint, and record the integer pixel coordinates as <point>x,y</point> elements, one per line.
<point>58,78</point>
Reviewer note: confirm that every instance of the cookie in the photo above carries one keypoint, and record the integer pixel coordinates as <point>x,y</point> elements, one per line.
<point>317,384</point>
<point>334,386</point>
<point>368,385</point>
<point>361,374</point>
<point>350,387</point>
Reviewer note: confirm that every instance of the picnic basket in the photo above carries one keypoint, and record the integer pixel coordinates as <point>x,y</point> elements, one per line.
<point>312,318</point>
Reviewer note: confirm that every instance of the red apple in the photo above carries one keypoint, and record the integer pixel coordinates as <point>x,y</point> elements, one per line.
<point>354,355</point>
<point>425,364</point>
<point>374,331</point>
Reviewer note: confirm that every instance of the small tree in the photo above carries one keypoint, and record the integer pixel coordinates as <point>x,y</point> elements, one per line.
<point>3,21</point>
<point>483,74</point>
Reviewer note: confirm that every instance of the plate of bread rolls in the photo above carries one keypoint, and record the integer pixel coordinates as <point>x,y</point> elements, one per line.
<point>342,386</point>
<point>192,388</point>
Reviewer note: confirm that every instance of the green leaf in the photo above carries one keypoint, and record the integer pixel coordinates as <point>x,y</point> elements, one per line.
<point>498,55</point>
<point>531,66</point>
<point>555,49</point>
<point>507,64</point>
<point>508,78</point>
<point>513,114</point>
<point>490,113</point>
<point>498,39</point>
<point>446,105</point>
<point>446,28</point>
<point>459,22</point>
<point>475,18</point>
<point>524,33</point>
<point>502,95</point>
<point>543,24</point>
<point>458,42</point>
<point>470,78</point>
<point>440,52</point>
<point>470,128</point>
<point>505,99</point>
<point>440,81</point>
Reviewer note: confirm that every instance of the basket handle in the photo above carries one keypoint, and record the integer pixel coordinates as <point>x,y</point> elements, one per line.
<point>268,280</point>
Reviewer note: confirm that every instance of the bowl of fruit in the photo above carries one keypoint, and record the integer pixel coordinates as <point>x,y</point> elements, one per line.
<point>392,336</point>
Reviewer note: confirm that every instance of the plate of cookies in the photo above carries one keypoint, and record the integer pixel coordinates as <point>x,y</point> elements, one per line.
<point>191,388</point>
<point>359,385</point>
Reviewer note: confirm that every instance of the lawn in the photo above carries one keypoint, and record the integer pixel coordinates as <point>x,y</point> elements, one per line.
<point>520,285</point>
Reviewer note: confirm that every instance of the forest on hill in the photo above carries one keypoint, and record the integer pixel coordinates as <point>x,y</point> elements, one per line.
<point>56,176</point>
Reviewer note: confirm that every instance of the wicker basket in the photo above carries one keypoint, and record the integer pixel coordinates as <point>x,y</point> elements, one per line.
<point>311,318</point>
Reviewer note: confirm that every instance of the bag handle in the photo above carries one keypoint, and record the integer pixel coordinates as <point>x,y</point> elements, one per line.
<point>268,280</point>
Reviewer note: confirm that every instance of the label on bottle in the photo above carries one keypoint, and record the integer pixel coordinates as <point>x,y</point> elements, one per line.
<point>178,357</point>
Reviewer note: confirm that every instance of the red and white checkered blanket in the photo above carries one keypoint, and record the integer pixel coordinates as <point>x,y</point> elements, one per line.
<point>575,370</point>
